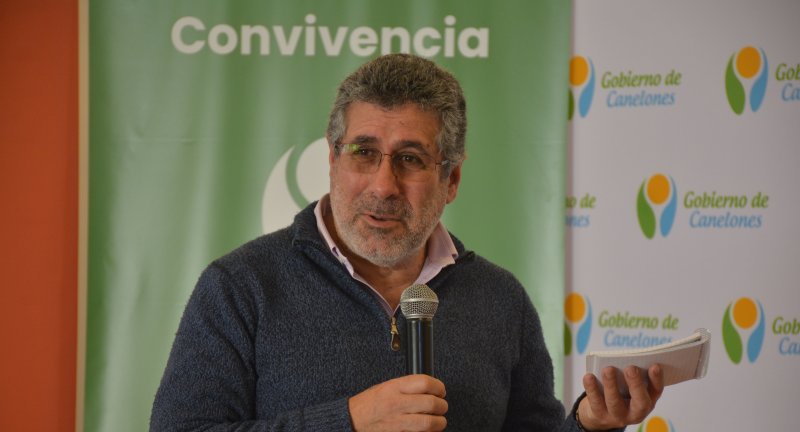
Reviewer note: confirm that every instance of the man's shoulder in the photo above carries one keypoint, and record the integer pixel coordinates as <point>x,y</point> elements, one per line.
<point>480,266</point>
<point>476,271</point>
<point>277,245</point>
<point>261,252</point>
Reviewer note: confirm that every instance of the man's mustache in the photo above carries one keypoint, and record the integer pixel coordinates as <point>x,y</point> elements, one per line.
<point>394,207</point>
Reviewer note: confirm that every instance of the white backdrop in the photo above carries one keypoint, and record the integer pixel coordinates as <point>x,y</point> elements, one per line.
<point>660,127</point>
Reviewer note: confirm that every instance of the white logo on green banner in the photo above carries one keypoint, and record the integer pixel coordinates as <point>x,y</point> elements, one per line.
<point>293,183</point>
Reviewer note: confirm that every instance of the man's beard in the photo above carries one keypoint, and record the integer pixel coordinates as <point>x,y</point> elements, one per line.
<point>385,247</point>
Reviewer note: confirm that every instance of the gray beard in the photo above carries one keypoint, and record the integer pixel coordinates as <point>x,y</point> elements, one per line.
<point>380,247</point>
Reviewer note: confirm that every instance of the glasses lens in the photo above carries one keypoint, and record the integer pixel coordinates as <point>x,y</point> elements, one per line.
<point>360,159</point>
<point>410,166</point>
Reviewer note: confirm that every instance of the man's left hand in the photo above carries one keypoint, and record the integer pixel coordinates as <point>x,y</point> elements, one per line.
<point>606,408</point>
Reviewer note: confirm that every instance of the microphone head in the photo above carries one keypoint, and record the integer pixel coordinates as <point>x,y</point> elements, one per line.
<point>419,301</point>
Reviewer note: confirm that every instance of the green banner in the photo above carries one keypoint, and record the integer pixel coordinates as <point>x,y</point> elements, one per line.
<point>205,126</point>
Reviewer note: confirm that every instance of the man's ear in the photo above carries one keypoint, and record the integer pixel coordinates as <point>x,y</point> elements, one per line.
<point>331,153</point>
<point>453,181</point>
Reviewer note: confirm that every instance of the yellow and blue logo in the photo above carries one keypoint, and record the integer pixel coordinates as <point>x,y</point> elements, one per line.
<point>657,194</point>
<point>749,67</point>
<point>581,80</point>
<point>744,317</point>
<point>578,313</point>
<point>656,424</point>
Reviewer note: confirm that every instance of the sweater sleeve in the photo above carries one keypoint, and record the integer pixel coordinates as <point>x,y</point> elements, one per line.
<point>532,403</point>
<point>209,383</point>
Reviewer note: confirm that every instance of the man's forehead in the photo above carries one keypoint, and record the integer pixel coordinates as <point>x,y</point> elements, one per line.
<point>368,123</point>
<point>406,107</point>
<point>371,141</point>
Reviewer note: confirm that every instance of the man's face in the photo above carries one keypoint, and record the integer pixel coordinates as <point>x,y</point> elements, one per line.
<point>381,217</point>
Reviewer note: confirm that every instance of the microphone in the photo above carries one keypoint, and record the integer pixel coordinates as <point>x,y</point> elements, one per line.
<point>419,303</point>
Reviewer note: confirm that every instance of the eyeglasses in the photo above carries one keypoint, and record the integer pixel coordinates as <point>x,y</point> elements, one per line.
<point>408,165</point>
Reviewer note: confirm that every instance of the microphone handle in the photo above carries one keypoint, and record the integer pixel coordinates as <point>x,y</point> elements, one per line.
<point>419,346</point>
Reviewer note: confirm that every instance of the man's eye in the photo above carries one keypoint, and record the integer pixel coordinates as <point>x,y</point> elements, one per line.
<point>361,152</point>
<point>411,160</point>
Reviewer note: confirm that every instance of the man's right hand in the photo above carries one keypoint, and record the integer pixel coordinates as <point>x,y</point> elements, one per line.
<point>409,403</point>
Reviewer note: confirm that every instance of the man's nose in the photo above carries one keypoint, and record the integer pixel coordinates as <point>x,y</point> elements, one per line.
<point>385,182</point>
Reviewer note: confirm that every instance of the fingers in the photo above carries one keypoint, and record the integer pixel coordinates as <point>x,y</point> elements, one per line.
<point>640,404</point>
<point>604,401</point>
<point>421,422</point>
<point>594,394</point>
<point>410,403</point>
<point>616,405</point>
<point>656,375</point>
<point>427,394</point>
<point>420,404</point>
<point>420,384</point>
<point>637,386</point>
<point>606,407</point>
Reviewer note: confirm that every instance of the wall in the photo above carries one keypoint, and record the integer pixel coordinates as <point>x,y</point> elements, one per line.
<point>39,217</point>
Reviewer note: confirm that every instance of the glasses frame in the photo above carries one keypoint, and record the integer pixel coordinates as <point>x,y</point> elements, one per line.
<point>398,170</point>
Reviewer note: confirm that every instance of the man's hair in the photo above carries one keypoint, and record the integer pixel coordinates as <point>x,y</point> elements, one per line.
<point>393,80</point>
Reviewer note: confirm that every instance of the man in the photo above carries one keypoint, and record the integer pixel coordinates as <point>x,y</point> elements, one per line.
<point>297,330</point>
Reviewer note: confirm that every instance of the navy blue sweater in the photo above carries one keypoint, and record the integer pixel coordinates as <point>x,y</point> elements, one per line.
<point>277,336</point>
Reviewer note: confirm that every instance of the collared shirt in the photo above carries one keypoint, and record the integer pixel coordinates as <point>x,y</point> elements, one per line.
<point>440,253</point>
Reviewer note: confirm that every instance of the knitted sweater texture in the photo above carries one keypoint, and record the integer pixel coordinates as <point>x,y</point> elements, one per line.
<point>277,336</point>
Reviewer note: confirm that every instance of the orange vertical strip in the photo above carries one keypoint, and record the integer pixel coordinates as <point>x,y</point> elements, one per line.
<point>83,208</point>
<point>39,217</point>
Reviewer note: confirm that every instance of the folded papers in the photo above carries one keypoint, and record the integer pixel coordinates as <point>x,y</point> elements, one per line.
<point>681,360</point>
